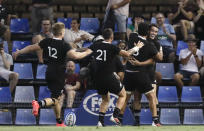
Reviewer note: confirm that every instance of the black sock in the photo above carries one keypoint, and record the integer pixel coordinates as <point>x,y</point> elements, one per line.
<point>137,117</point>
<point>59,120</point>
<point>120,117</point>
<point>101,117</point>
<point>116,112</point>
<point>158,110</point>
<point>155,119</point>
<point>42,103</point>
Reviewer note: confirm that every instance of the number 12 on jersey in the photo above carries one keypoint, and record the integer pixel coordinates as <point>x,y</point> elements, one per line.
<point>102,55</point>
<point>52,52</point>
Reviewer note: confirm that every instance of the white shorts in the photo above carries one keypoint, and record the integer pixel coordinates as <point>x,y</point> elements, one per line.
<point>5,73</point>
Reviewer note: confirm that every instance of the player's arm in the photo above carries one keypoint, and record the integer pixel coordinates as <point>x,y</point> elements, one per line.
<point>73,54</point>
<point>26,50</point>
<point>122,3</point>
<point>135,62</point>
<point>159,55</point>
<point>131,51</point>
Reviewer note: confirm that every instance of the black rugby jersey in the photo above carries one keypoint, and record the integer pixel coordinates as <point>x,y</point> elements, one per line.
<point>146,52</point>
<point>54,51</point>
<point>104,54</point>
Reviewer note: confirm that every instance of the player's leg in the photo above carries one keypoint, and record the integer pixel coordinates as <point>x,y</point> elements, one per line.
<point>137,107</point>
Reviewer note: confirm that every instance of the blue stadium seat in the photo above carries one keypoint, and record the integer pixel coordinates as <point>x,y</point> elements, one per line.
<point>5,118</point>
<point>90,25</point>
<point>66,21</point>
<point>19,25</point>
<point>5,46</point>
<point>24,94</point>
<point>5,95</point>
<point>166,69</point>
<point>193,117</point>
<point>181,45</point>
<point>129,22</point>
<point>25,117</point>
<point>114,42</point>
<point>41,69</point>
<point>20,45</point>
<point>47,117</point>
<point>44,92</point>
<point>202,46</point>
<point>77,69</point>
<point>24,70</point>
<point>167,94</point>
<point>144,99</point>
<point>145,117</point>
<point>87,44</point>
<point>170,116</point>
<point>191,94</point>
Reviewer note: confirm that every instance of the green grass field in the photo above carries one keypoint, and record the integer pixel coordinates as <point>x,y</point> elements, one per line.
<point>108,128</point>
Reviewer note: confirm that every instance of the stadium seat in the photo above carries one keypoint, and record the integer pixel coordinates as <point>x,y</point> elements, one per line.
<point>5,95</point>
<point>20,45</point>
<point>191,94</point>
<point>77,69</point>
<point>145,117</point>
<point>193,117</point>
<point>144,99</point>
<point>114,42</point>
<point>66,21</point>
<point>5,118</point>
<point>47,117</point>
<point>24,94</point>
<point>166,69</point>
<point>167,94</point>
<point>202,46</point>
<point>24,70</point>
<point>87,44</point>
<point>90,25</point>
<point>44,92</point>
<point>25,117</point>
<point>41,69</point>
<point>181,45</point>
<point>19,25</point>
<point>170,116</point>
<point>5,46</point>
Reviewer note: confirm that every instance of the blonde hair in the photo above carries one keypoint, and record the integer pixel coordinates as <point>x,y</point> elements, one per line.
<point>57,28</point>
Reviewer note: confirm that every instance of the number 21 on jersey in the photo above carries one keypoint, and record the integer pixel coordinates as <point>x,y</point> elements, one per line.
<point>102,55</point>
<point>52,52</point>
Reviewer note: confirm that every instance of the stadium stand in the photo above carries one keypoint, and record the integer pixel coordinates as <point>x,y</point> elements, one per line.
<point>170,116</point>
<point>24,94</point>
<point>17,45</point>
<point>25,117</point>
<point>90,25</point>
<point>5,46</point>
<point>87,44</point>
<point>167,94</point>
<point>5,95</point>
<point>193,117</point>
<point>166,69</point>
<point>47,117</point>
<point>44,92</point>
<point>145,117</point>
<point>66,21</point>
<point>19,25</point>
<point>202,46</point>
<point>5,118</point>
<point>24,70</point>
<point>181,45</point>
<point>191,94</point>
<point>41,69</point>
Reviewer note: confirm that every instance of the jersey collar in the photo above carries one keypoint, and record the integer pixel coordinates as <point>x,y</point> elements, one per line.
<point>57,38</point>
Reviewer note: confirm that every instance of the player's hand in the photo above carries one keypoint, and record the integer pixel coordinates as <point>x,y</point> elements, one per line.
<point>135,62</point>
<point>16,54</point>
<point>139,44</point>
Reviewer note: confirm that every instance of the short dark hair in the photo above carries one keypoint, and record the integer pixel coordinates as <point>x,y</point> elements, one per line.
<point>153,25</point>
<point>77,19</point>
<point>143,29</point>
<point>107,33</point>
